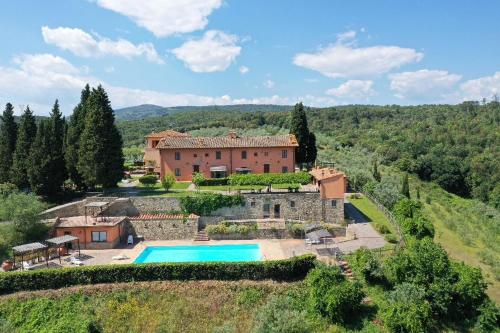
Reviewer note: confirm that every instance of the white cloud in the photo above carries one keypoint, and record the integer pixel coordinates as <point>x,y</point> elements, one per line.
<point>165,17</point>
<point>353,89</point>
<point>483,87</point>
<point>244,69</point>
<point>83,44</point>
<point>214,52</point>
<point>269,84</point>
<point>38,79</point>
<point>346,36</point>
<point>424,85</point>
<point>345,61</point>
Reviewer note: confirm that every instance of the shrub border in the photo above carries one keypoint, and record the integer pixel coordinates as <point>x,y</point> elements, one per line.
<point>291,269</point>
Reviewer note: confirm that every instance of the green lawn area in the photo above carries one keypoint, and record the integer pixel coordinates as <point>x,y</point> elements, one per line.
<point>177,186</point>
<point>371,211</point>
<point>286,186</point>
<point>231,187</point>
<point>170,193</point>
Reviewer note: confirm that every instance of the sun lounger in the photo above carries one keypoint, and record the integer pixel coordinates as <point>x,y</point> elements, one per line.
<point>76,261</point>
<point>27,265</point>
<point>120,257</point>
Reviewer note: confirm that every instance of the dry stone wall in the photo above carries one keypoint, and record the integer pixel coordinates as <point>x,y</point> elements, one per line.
<point>163,229</point>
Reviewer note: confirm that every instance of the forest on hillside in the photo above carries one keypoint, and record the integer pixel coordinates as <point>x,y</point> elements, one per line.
<point>455,146</point>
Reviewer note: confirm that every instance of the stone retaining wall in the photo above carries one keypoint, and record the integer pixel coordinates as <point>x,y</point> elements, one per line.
<point>163,229</point>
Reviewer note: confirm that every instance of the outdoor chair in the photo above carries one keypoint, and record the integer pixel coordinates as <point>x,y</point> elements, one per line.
<point>76,261</point>
<point>27,265</point>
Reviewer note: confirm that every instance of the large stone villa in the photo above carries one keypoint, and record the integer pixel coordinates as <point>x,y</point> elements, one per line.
<point>217,157</point>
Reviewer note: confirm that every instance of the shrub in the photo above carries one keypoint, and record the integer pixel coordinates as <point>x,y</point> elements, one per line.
<point>198,178</point>
<point>332,296</point>
<point>148,180</point>
<point>206,203</point>
<point>168,181</point>
<point>215,182</point>
<point>292,269</point>
<point>279,315</point>
<point>390,238</point>
<point>270,178</point>
<point>366,264</point>
<point>407,310</point>
<point>489,317</point>
<point>297,230</point>
<point>224,228</point>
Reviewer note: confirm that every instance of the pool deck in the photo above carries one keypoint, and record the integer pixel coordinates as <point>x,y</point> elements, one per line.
<point>272,249</point>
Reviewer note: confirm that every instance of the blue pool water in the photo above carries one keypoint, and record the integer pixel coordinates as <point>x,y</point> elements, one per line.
<point>200,253</point>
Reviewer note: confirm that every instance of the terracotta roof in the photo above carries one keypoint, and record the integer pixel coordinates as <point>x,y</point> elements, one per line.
<point>228,142</point>
<point>163,217</point>
<point>81,221</point>
<point>325,173</point>
<point>167,133</point>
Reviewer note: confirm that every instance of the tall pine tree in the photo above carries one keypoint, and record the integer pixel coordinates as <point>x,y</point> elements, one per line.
<point>25,136</point>
<point>8,137</point>
<point>57,165</point>
<point>75,129</point>
<point>39,169</point>
<point>306,151</point>
<point>100,156</point>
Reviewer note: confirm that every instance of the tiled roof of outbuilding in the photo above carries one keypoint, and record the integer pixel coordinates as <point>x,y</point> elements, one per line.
<point>228,142</point>
<point>163,217</point>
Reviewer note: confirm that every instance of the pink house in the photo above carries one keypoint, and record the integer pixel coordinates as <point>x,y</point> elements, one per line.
<point>216,157</point>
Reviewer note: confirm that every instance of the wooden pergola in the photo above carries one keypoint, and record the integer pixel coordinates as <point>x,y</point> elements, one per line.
<point>63,240</point>
<point>30,248</point>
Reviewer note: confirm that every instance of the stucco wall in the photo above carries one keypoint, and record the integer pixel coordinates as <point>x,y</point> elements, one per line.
<point>230,157</point>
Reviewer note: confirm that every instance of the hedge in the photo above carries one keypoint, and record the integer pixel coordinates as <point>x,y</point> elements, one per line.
<point>270,178</point>
<point>206,203</point>
<point>292,269</point>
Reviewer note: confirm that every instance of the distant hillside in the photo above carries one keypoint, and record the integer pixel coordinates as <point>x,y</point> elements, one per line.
<point>150,110</point>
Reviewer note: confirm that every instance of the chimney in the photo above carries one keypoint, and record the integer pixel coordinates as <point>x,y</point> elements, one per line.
<point>232,135</point>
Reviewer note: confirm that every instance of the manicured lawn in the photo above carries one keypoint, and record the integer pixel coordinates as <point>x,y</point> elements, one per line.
<point>170,193</point>
<point>177,186</point>
<point>231,187</point>
<point>370,210</point>
<point>181,185</point>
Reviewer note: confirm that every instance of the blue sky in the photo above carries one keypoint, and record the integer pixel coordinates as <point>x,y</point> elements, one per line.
<point>203,52</point>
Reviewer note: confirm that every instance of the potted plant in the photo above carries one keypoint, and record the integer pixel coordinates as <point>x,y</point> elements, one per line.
<point>7,265</point>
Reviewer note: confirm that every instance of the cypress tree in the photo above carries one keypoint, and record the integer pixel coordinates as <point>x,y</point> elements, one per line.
<point>100,156</point>
<point>375,172</point>
<point>311,151</point>
<point>74,132</point>
<point>39,170</point>
<point>25,136</point>
<point>8,137</point>
<point>54,130</point>
<point>298,127</point>
<point>405,187</point>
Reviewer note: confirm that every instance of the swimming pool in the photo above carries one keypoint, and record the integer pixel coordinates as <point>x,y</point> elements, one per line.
<point>200,253</point>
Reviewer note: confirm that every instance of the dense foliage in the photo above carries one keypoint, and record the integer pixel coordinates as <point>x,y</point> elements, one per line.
<point>270,178</point>
<point>306,151</point>
<point>230,228</point>
<point>332,296</point>
<point>282,270</point>
<point>148,180</point>
<point>19,219</point>
<point>206,203</point>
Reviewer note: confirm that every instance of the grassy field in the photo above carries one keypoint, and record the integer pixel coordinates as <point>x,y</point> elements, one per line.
<point>286,186</point>
<point>201,306</point>
<point>177,185</point>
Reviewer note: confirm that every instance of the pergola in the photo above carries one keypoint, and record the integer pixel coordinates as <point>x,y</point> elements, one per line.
<point>63,240</point>
<point>30,248</point>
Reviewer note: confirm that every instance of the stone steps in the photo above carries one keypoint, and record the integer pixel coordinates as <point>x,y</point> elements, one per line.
<point>201,236</point>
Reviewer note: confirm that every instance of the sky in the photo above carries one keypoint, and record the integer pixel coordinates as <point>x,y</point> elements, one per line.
<point>206,52</point>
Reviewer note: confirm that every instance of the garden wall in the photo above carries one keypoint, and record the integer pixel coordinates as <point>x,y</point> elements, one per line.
<point>163,229</point>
